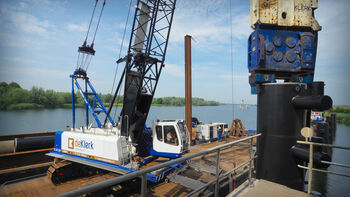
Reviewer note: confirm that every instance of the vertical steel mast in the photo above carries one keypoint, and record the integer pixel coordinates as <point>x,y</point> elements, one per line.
<point>144,63</point>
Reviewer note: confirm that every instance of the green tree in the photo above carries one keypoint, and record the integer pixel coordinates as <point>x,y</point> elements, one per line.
<point>3,87</point>
<point>38,96</point>
<point>64,98</point>
<point>14,85</point>
<point>107,98</point>
<point>51,99</point>
<point>14,96</point>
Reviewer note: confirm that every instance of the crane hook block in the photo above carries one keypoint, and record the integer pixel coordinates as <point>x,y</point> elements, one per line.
<point>87,49</point>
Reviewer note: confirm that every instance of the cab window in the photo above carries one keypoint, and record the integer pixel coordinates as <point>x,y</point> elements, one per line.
<point>159,133</point>
<point>170,135</point>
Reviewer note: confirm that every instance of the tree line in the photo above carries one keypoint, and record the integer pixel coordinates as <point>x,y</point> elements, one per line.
<point>343,114</point>
<point>180,101</point>
<point>13,97</point>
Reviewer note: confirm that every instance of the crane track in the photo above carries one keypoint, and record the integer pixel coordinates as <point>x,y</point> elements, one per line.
<point>62,170</point>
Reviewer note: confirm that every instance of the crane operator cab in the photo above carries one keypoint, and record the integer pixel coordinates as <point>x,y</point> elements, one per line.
<point>169,138</point>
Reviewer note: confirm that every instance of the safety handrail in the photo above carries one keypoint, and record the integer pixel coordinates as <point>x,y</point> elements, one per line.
<point>143,173</point>
<point>311,168</point>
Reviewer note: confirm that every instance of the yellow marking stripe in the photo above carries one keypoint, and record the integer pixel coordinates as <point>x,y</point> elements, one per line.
<point>90,156</point>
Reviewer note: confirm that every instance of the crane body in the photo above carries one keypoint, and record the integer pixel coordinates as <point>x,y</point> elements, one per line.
<point>128,144</point>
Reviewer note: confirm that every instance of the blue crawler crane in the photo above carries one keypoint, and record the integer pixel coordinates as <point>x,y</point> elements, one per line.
<point>125,145</point>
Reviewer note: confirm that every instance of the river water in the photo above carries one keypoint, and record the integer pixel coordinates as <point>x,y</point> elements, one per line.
<point>27,121</point>
<point>57,119</point>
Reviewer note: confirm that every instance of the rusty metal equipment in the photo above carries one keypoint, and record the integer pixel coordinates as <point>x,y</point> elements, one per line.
<point>283,47</point>
<point>290,13</point>
<point>237,128</point>
<point>188,85</point>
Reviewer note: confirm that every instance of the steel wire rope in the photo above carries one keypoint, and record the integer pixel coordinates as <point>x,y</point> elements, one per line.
<point>84,62</point>
<point>231,61</point>
<point>83,59</point>
<point>92,16</point>
<point>120,52</point>
<point>98,23</point>
<point>88,61</point>
<point>78,61</point>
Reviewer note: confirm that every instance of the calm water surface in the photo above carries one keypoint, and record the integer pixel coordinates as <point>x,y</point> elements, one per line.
<point>27,121</point>
<point>334,185</point>
<point>57,119</point>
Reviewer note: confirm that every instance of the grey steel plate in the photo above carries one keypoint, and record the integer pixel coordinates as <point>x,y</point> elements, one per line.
<point>203,168</point>
<point>186,182</point>
<point>88,163</point>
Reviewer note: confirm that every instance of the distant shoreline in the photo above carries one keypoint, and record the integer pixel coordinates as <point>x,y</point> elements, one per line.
<point>13,97</point>
<point>343,114</point>
<point>33,106</point>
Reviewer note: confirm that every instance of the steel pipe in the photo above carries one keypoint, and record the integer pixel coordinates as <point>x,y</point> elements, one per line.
<point>319,102</point>
<point>324,171</point>
<point>303,154</point>
<point>33,143</point>
<point>326,145</point>
<point>188,85</point>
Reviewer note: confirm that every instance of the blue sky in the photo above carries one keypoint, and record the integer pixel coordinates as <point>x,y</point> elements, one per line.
<point>39,41</point>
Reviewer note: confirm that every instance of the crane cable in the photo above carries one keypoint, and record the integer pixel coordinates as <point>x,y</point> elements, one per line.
<point>79,65</point>
<point>85,57</point>
<point>97,26</point>
<point>120,52</point>
<point>231,53</point>
<point>82,62</point>
<point>98,23</point>
<point>92,16</point>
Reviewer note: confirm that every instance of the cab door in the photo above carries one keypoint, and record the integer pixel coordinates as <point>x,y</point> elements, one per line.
<point>166,141</point>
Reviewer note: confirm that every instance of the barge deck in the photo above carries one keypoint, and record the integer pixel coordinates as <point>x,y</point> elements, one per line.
<point>199,169</point>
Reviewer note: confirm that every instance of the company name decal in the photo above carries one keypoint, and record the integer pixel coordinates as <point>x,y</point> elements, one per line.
<point>75,143</point>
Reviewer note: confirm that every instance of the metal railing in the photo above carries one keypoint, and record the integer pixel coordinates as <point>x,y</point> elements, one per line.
<point>311,169</point>
<point>143,173</point>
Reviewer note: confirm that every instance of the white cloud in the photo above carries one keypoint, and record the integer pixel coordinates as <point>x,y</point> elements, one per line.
<point>241,26</point>
<point>208,22</point>
<point>52,73</point>
<point>77,27</point>
<point>20,60</point>
<point>40,1</point>
<point>22,5</point>
<point>174,70</point>
<point>332,53</point>
<point>24,22</point>
<point>29,23</point>
<point>236,77</point>
<point>47,76</point>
